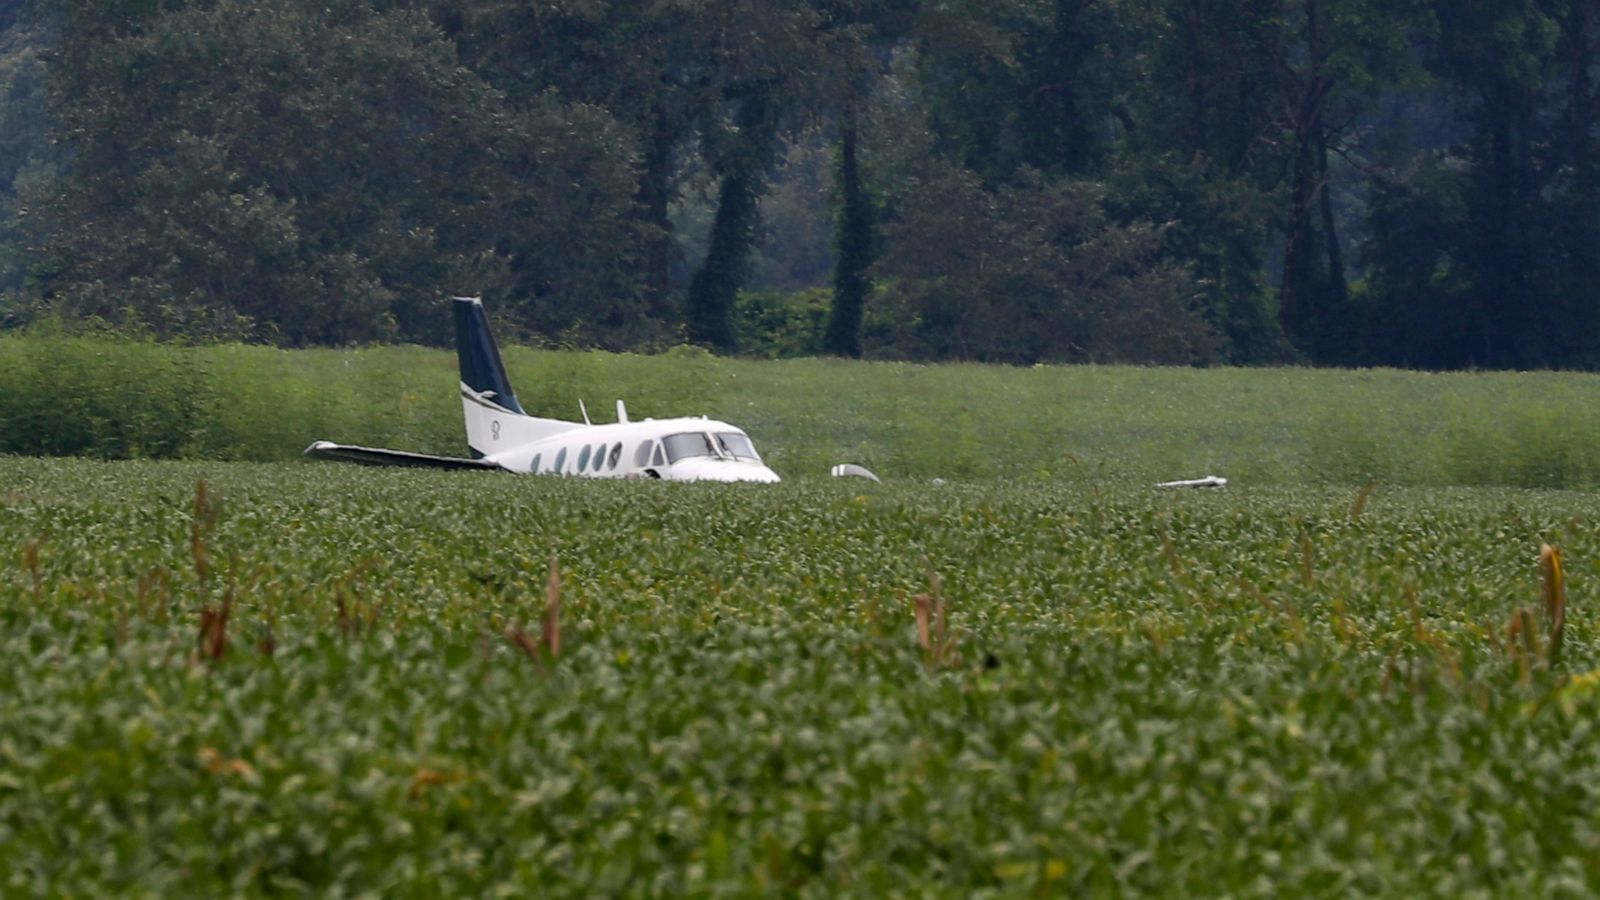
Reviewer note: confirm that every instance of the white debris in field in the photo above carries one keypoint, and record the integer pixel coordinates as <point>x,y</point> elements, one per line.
<point>1210,481</point>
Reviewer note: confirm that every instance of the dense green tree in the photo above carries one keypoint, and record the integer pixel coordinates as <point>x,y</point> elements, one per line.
<point>650,66</point>
<point>1236,123</point>
<point>786,68</point>
<point>1014,83</point>
<point>1032,272</point>
<point>1198,147</point>
<point>1220,228</point>
<point>717,80</point>
<point>1168,101</point>
<point>1024,96</point>
<point>308,174</point>
<point>1337,181</point>
<point>1484,251</point>
<point>1336,57</point>
<point>24,149</point>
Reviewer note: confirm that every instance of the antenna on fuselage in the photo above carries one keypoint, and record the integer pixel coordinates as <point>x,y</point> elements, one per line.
<point>585,410</point>
<point>622,412</point>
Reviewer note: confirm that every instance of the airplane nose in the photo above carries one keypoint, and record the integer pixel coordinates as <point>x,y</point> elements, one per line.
<point>700,469</point>
<point>745,472</point>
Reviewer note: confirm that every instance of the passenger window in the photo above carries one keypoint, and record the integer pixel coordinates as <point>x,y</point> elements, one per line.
<point>599,457</point>
<point>583,458</point>
<point>616,454</point>
<point>561,460</point>
<point>641,456</point>
<point>534,468</point>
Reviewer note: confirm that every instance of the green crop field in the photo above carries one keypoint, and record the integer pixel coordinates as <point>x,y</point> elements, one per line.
<point>1249,691</point>
<point>1341,675</point>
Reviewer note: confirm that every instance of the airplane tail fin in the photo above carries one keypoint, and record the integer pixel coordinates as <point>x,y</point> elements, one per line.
<point>482,372</point>
<point>495,420</point>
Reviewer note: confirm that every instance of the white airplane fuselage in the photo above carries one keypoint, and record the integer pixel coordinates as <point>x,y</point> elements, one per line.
<point>501,435</point>
<point>682,449</point>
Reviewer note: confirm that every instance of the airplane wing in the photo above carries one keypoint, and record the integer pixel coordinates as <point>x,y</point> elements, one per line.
<point>373,456</point>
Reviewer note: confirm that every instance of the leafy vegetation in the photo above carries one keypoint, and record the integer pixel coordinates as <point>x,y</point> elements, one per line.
<point>251,679</point>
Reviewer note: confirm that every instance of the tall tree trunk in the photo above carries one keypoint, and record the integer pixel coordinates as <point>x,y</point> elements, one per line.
<point>715,287</point>
<point>655,195</point>
<point>1196,73</point>
<point>1296,305</point>
<point>1338,289</point>
<point>1298,310</point>
<point>850,282</point>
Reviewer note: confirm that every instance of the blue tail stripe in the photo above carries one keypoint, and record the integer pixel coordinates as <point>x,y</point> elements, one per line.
<point>481,368</point>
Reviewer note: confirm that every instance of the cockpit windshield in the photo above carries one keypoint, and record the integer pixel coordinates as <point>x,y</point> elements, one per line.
<point>690,443</point>
<point>723,445</point>
<point>737,445</point>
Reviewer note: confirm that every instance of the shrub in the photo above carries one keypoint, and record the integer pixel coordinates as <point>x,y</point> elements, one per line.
<point>775,325</point>
<point>64,395</point>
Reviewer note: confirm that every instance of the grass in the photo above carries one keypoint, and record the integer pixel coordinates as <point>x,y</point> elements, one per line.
<point>998,687</point>
<point>1086,425</point>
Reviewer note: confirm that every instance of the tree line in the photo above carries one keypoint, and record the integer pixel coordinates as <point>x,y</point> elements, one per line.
<point>1346,182</point>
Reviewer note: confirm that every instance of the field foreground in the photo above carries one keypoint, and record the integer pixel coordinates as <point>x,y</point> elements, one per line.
<point>320,678</point>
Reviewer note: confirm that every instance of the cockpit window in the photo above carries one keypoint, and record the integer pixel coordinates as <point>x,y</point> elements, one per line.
<point>737,445</point>
<point>641,456</point>
<point>690,443</point>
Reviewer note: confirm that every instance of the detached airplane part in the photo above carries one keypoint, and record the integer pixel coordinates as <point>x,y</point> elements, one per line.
<point>849,470</point>
<point>502,436</point>
<point>1210,481</point>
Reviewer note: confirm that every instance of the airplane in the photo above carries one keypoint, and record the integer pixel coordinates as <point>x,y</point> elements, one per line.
<point>502,436</point>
